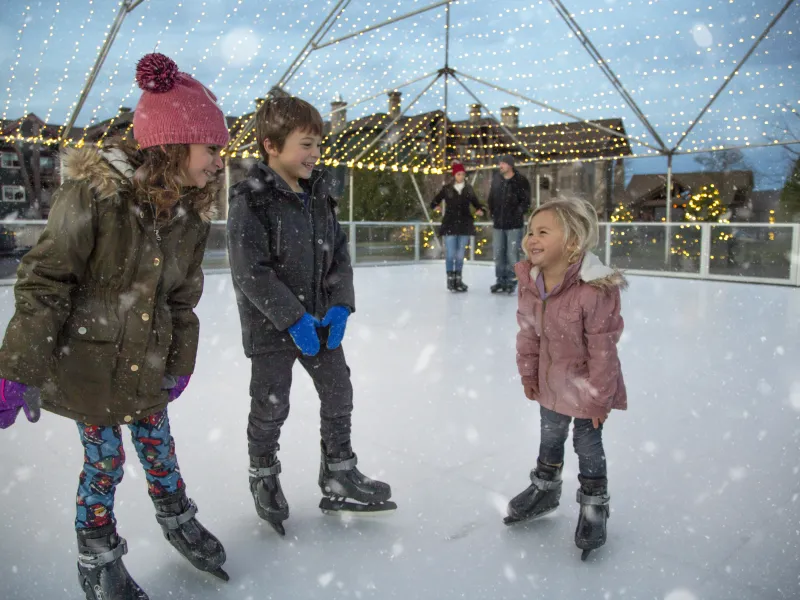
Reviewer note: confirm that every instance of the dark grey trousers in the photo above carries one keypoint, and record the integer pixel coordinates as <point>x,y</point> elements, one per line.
<point>270,383</point>
<point>587,441</point>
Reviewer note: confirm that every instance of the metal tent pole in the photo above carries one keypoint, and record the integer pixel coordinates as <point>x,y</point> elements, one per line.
<point>562,112</point>
<point>499,121</point>
<point>124,8</point>
<point>603,65</point>
<point>734,72</point>
<point>352,221</point>
<point>668,217</point>
<point>295,64</point>
<point>382,24</point>
<point>386,129</point>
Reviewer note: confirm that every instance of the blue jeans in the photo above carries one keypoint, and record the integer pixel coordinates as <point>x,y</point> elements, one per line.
<point>104,457</point>
<point>587,441</point>
<point>455,245</point>
<point>507,244</point>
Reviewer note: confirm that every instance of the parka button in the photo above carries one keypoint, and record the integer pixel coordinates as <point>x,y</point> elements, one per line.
<point>127,418</point>
<point>156,261</point>
<point>145,317</point>
<point>82,330</point>
<point>134,368</point>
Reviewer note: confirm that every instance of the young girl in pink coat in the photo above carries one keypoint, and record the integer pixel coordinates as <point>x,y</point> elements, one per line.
<point>570,323</point>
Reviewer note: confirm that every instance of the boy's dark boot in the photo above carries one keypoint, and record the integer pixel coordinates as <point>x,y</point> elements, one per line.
<point>101,572</point>
<point>346,489</point>
<point>498,287</point>
<point>539,498</point>
<point>593,497</point>
<point>176,515</point>
<point>451,281</point>
<point>265,486</point>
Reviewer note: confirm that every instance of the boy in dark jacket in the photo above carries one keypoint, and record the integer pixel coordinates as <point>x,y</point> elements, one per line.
<point>294,288</point>
<point>509,200</point>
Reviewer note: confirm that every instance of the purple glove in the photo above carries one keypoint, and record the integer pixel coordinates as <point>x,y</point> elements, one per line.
<point>15,396</point>
<point>175,385</point>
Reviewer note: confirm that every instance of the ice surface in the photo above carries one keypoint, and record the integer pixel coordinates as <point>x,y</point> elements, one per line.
<point>703,466</point>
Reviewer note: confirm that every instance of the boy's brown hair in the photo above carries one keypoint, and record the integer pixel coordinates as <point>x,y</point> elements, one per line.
<point>278,117</point>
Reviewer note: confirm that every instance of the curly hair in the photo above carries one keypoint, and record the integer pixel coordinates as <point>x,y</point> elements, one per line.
<point>160,173</point>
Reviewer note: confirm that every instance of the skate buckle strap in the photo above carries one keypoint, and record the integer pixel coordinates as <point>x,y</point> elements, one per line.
<point>594,500</point>
<point>174,522</point>
<point>545,484</point>
<point>103,558</point>
<point>266,471</point>
<point>344,465</point>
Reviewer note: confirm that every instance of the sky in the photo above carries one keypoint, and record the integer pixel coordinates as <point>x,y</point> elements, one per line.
<point>671,56</point>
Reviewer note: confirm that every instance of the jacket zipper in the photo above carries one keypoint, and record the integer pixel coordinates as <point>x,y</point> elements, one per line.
<point>549,359</point>
<point>278,237</point>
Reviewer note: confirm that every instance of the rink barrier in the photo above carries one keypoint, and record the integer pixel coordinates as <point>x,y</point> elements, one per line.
<point>737,252</point>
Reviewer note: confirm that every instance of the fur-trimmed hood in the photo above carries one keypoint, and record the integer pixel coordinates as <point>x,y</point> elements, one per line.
<point>592,272</point>
<point>108,172</point>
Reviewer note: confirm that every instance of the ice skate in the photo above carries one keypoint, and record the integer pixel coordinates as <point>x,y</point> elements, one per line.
<point>539,498</point>
<point>176,515</point>
<point>593,497</point>
<point>101,572</point>
<point>346,490</point>
<point>265,486</point>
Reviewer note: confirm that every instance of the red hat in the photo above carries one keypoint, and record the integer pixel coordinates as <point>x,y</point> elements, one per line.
<point>458,168</point>
<point>175,108</point>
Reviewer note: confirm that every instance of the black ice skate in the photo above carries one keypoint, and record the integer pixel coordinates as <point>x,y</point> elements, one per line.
<point>101,572</point>
<point>460,286</point>
<point>176,515</point>
<point>265,486</point>
<point>539,498</point>
<point>451,281</point>
<point>498,287</point>
<point>593,498</point>
<point>510,287</point>
<point>348,490</point>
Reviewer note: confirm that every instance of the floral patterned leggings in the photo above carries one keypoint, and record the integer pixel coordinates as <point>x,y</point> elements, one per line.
<point>104,457</point>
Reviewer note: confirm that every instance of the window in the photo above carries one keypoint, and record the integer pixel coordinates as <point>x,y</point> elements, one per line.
<point>46,163</point>
<point>9,160</point>
<point>13,193</point>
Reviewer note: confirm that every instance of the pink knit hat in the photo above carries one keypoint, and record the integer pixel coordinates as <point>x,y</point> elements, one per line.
<point>175,108</point>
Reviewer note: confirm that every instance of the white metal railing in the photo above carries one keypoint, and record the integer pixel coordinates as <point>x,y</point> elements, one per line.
<point>744,252</point>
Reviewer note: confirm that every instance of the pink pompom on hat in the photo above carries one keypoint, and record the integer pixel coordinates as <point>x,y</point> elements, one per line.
<point>175,108</point>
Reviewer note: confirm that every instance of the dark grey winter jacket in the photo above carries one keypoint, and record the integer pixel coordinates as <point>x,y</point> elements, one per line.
<point>509,200</point>
<point>286,260</point>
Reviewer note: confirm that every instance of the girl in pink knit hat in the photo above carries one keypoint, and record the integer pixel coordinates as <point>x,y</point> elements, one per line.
<point>105,332</point>
<point>569,326</point>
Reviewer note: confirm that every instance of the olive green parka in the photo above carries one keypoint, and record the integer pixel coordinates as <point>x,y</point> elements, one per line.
<point>103,308</point>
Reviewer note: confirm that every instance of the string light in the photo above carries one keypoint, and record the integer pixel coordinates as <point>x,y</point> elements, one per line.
<point>12,75</point>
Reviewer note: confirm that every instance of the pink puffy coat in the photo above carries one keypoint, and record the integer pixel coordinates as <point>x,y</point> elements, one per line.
<point>567,344</point>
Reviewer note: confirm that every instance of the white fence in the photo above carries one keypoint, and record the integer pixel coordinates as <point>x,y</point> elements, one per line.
<point>745,252</point>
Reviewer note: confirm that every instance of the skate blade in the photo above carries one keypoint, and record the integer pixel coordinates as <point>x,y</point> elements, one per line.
<point>514,520</point>
<point>585,554</point>
<point>219,573</point>
<point>278,527</point>
<point>339,506</point>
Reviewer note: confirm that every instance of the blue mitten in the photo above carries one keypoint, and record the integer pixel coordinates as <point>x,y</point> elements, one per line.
<point>336,317</point>
<point>304,335</point>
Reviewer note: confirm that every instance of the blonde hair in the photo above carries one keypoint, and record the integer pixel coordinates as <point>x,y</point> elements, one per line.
<point>578,219</point>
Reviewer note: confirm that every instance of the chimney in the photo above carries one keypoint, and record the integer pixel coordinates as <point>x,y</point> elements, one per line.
<point>509,115</point>
<point>338,114</point>
<point>394,104</point>
<point>474,113</point>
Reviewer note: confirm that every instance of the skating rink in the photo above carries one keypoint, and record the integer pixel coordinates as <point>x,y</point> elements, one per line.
<point>704,467</point>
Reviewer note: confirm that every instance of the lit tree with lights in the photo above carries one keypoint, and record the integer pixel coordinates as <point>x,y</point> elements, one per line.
<point>703,207</point>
